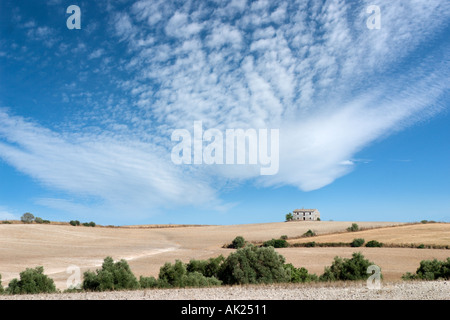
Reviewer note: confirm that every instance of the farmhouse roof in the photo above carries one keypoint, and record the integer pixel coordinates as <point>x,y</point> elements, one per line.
<point>310,210</point>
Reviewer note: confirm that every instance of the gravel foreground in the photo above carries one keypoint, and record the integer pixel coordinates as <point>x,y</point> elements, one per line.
<point>415,290</point>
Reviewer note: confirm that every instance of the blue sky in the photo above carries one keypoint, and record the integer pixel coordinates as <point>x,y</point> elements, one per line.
<point>86,116</point>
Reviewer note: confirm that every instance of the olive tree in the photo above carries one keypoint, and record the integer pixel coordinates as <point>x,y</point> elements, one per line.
<point>27,217</point>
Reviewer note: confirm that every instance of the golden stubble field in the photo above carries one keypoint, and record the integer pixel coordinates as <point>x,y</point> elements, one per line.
<point>146,248</point>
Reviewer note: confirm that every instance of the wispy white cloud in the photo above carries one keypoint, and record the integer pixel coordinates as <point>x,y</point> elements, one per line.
<point>5,214</point>
<point>96,54</point>
<point>114,170</point>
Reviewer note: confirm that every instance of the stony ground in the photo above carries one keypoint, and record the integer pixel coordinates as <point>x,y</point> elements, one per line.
<point>415,290</point>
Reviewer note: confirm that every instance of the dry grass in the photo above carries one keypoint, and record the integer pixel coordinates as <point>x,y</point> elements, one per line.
<point>147,248</point>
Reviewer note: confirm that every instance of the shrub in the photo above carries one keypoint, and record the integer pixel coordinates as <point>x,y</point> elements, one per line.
<point>196,279</point>
<point>112,276</point>
<point>276,243</point>
<point>309,233</point>
<point>1,287</point>
<point>353,227</point>
<point>32,281</point>
<point>310,244</point>
<point>176,275</point>
<point>284,237</point>
<point>357,242</point>
<point>421,246</point>
<point>289,216</point>
<point>431,270</point>
<point>6,222</point>
<point>237,243</point>
<point>251,265</point>
<point>46,221</point>
<point>74,223</point>
<point>298,275</point>
<point>347,269</point>
<point>27,217</point>
<point>148,282</point>
<point>172,274</point>
<point>409,276</point>
<point>208,268</point>
<point>38,220</point>
<point>88,224</point>
<point>374,243</point>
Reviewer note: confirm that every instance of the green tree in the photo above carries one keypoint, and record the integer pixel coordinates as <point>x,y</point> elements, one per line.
<point>357,242</point>
<point>112,276</point>
<point>298,275</point>
<point>309,233</point>
<point>196,279</point>
<point>208,268</point>
<point>353,227</point>
<point>373,243</point>
<point>177,275</point>
<point>148,282</point>
<point>38,220</point>
<point>431,270</point>
<point>1,287</point>
<point>238,242</point>
<point>27,217</point>
<point>254,265</point>
<point>347,269</point>
<point>276,243</point>
<point>32,281</point>
<point>289,216</point>
<point>173,274</point>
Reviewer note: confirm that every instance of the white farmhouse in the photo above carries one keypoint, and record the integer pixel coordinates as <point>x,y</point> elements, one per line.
<point>306,214</point>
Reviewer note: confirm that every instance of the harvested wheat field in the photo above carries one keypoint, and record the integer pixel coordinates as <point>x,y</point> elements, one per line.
<point>147,248</point>
<point>427,234</point>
